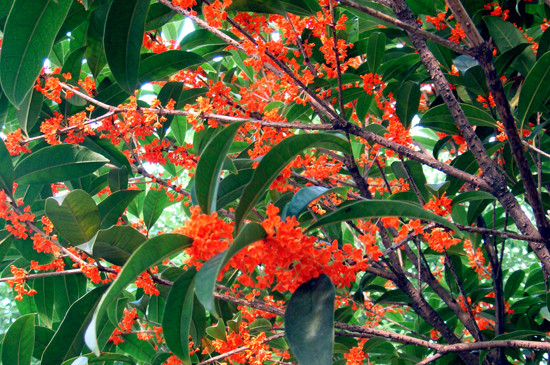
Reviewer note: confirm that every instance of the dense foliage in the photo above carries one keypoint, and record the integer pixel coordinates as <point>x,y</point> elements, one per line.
<point>275,182</point>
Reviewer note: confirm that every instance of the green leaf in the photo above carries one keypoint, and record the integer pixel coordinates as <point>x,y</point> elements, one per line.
<point>408,100</point>
<point>232,187</point>
<point>276,160</point>
<point>513,283</point>
<point>207,177</point>
<point>42,337</point>
<point>68,340</point>
<point>515,335</point>
<point>108,150</point>
<point>29,111</point>
<point>122,42</point>
<point>178,314</point>
<point>376,46</point>
<point>104,358</point>
<point>440,117</point>
<point>142,351</point>
<point>380,208</point>
<point>44,299</point>
<point>95,53</point>
<point>171,90</point>
<point>504,61</point>
<point>114,206</point>
<point>208,273</point>
<point>118,179</point>
<point>76,219</point>
<point>116,244</point>
<point>18,342</point>
<point>61,162</point>
<point>507,36</point>
<point>148,254</point>
<point>154,204</point>
<point>67,290</point>
<point>535,91</point>
<point>309,321</point>
<point>6,169</point>
<point>160,66</point>
<point>29,35</point>
<point>158,15</point>
<point>470,196</point>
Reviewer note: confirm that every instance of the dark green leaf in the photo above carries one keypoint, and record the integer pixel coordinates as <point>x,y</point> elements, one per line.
<point>535,91</point>
<point>118,179</point>
<point>154,204</point>
<point>440,115</point>
<point>18,342</point>
<point>158,15</point>
<point>116,244</point>
<point>513,283</point>
<point>68,340</point>
<point>105,148</point>
<point>504,61</point>
<point>470,196</point>
<point>208,273</point>
<point>95,53</point>
<point>114,206</point>
<point>29,111</point>
<point>207,177</point>
<point>162,65</point>
<point>376,45</point>
<point>44,299</point>
<point>148,254</point>
<point>232,187</point>
<point>67,290</point>
<point>380,208</point>
<point>42,337</point>
<point>139,350</point>
<point>76,219</point>
<point>6,169</point>
<point>408,99</point>
<point>28,38</point>
<point>309,321</point>
<point>105,358</point>
<point>122,42</point>
<point>276,160</point>
<point>178,315</point>
<point>57,163</point>
<point>171,90</point>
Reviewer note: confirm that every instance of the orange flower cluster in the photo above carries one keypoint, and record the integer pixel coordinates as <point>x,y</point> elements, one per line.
<point>15,143</point>
<point>496,10</point>
<point>156,44</point>
<point>15,222</point>
<point>438,21</point>
<point>184,3</point>
<point>476,260</point>
<point>439,240</point>
<point>211,235</point>
<point>256,353</point>
<point>440,206</point>
<point>145,282</point>
<point>215,12</point>
<point>125,326</point>
<point>19,283</point>
<point>289,258</point>
<point>356,356</point>
<point>457,34</point>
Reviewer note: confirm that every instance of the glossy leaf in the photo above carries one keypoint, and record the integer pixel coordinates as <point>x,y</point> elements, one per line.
<point>535,91</point>
<point>95,53</point>
<point>68,340</point>
<point>470,196</point>
<point>178,314</point>
<point>309,321</point>
<point>408,100</point>
<point>231,187</point>
<point>376,46</point>
<point>104,358</point>
<point>76,219</point>
<point>116,244</point>
<point>6,169</point>
<point>139,350</point>
<point>118,179</point>
<point>28,38</point>
<point>114,206</point>
<point>18,343</point>
<point>126,24</point>
<point>207,177</point>
<point>380,208</point>
<point>148,254</point>
<point>276,160</point>
<point>159,66</point>
<point>208,274</point>
<point>440,115</point>
<point>29,111</point>
<point>154,204</point>
<point>57,163</point>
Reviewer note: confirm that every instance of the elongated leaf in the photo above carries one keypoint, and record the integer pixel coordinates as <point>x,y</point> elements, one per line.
<point>42,337</point>
<point>440,114</point>
<point>114,205</point>
<point>44,299</point>
<point>178,314</point>
<point>471,195</point>
<point>104,358</point>
<point>535,91</point>
<point>171,90</point>
<point>148,254</point>
<point>504,61</point>
<point>207,177</point>
<point>159,66</point>
<point>309,321</point>
<point>29,110</point>
<point>6,169</point>
<point>408,99</point>
<point>116,244</point>
<point>276,160</point>
<point>208,273</point>
<point>29,35</point>
<point>507,36</point>
<point>67,290</point>
<point>142,351</point>
<point>118,179</point>
<point>126,24</point>
<point>19,341</point>
<point>76,219</point>
<point>232,187</point>
<point>68,340</point>
<point>154,204</point>
<point>381,208</point>
<point>95,53</point>
<point>376,46</point>
<point>57,163</point>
